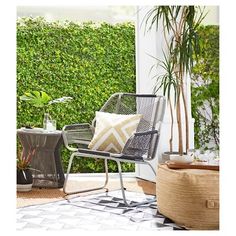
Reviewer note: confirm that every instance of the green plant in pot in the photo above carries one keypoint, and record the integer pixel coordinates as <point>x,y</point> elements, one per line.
<point>41,99</point>
<point>179,28</point>
<point>24,174</point>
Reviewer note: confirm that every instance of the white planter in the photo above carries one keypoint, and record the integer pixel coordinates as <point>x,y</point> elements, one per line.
<point>24,187</point>
<point>181,159</point>
<point>166,156</point>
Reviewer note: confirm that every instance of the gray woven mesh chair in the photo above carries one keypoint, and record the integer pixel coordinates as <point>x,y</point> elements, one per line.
<point>141,146</point>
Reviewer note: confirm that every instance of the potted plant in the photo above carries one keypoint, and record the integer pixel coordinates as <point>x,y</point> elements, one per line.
<point>42,100</point>
<point>179,25</point>
<point>23,173</point>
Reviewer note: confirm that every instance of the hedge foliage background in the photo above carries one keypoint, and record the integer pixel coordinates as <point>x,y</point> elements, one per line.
<point>205,90</point>
<point>84,61</point>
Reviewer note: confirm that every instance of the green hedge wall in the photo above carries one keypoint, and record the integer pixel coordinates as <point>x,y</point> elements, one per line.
<point>205,90</point>
<point>85,61</point>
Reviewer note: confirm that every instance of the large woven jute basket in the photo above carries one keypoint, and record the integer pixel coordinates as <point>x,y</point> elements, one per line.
<point>189,197</point>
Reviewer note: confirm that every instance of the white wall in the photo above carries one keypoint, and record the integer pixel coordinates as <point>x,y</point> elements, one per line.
<point>212,17</point>
<point>99,13</point>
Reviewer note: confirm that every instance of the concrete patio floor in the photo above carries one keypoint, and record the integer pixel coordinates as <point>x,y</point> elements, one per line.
<point>45,195</point>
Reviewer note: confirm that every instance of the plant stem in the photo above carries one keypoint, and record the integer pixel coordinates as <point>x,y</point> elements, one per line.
<point>178,115</point>
<point>171,128</point>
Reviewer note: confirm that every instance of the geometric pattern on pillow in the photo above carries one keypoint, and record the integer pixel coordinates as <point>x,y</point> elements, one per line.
<point>113,130</point>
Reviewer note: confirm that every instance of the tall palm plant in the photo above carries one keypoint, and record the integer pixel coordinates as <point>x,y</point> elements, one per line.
<point>169,83</point>
<point>180,24</point>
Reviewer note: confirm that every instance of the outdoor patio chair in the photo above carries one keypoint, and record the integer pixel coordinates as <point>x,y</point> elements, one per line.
<point>140,148</point>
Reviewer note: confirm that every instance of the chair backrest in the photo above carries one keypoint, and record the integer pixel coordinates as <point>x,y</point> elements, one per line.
<point>151,106</point>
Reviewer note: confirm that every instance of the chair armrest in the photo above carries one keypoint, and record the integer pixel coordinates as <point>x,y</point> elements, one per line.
<point>145,133</point>
<point>76,126</point>
<point>78,134</point>
<point>141,143</point>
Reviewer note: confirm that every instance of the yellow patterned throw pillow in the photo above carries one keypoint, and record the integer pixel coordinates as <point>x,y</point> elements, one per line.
<point>113,130</point>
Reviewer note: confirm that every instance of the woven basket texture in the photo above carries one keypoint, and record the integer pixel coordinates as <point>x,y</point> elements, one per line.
<point>190,197</point>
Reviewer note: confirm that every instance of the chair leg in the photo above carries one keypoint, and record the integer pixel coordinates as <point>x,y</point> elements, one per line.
<point>151,168</point>
<point>121,182</point>
<point>83,190</point>
<point>123,190</point>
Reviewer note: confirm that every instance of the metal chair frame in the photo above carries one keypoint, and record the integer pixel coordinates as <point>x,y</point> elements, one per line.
<point>153,135</point>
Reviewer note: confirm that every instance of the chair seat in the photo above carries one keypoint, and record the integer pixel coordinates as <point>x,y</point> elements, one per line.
<point>93,152</point>
<point>107,154</point>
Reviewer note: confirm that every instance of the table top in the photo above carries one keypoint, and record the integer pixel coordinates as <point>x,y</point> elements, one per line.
<point>39,131</point>
<point>193,165</point>
<point>189,172</point>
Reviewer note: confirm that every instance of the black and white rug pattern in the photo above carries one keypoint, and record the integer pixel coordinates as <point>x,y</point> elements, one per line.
<point>103,211</point>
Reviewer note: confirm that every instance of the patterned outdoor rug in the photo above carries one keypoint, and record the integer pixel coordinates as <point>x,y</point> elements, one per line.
<point>103,211</point>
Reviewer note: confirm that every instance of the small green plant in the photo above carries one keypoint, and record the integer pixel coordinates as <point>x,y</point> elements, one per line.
<point>41,99</point>
<point>23,161</point>
<point>36,98</point>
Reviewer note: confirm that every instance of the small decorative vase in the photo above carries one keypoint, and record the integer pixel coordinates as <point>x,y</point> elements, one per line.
<point>45,120</point>
<point>48,123</point>
<point>24,180</point>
